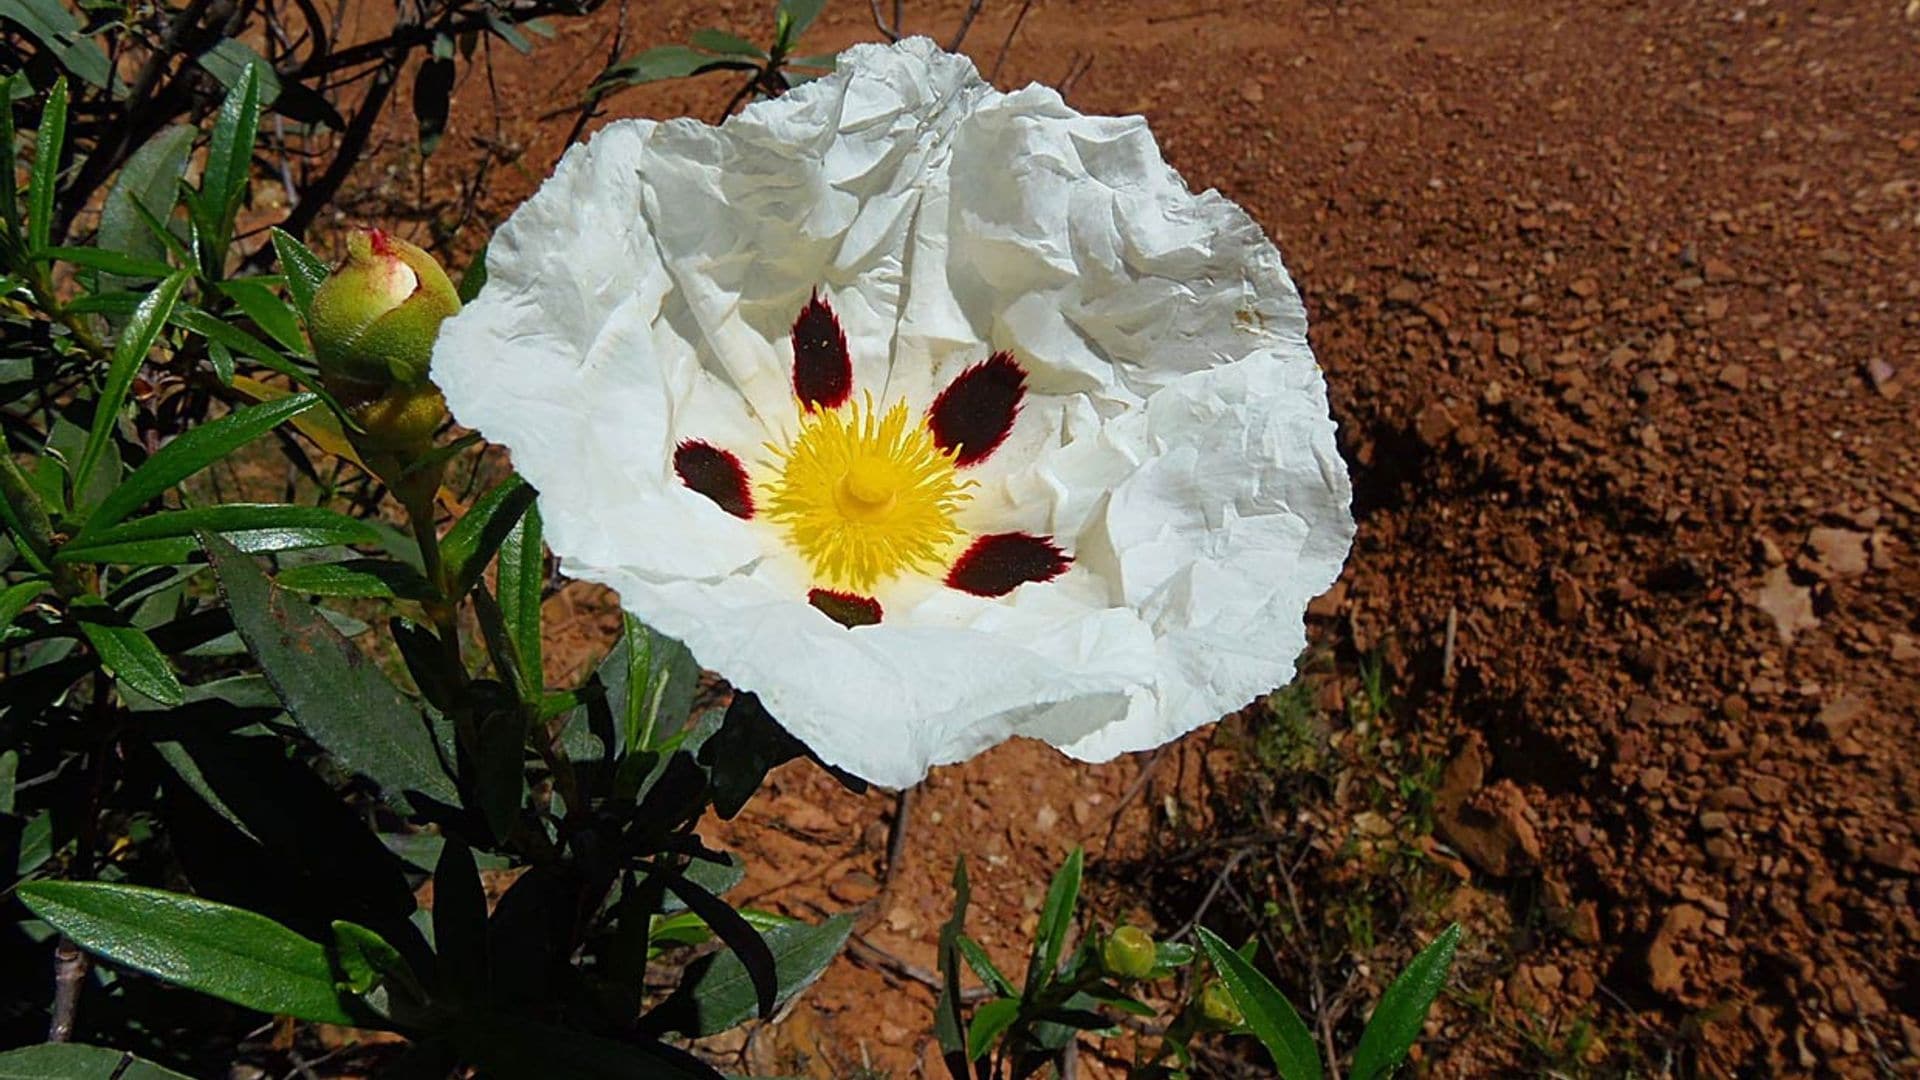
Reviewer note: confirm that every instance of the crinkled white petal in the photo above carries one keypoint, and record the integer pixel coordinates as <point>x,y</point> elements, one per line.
<point>1174,439</point>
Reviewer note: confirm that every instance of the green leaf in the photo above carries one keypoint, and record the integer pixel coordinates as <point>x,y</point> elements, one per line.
<point>56,29</point>
<point>15,598</point>
<point>471,543</point>
<point>225,333</point>
<point>983,966</point>
<point>749,745</point>
<point>130,655</point>
<point>192,451</point>
<point>1267,1011</point>
<point>9,186</point>
<point>222,951</point>
<point>663,62</point>
<point>136,340</point>
<point>719,41</point>
<point>1397,1020</point>
<point>229,167</point>
<point>717,993</point>
<point>268,311</point>
<point>475,277</point>
<point>522,575</point>
<point>1056,918</point>
<point>78,1061</point>
<point>990,1021</point>
<point>48,141</point>
<point>432,94</point>
<point>231,61</point>
<point>797,15</point>
<point>366,960</point>
<point>252,527</point>
<point>151,179</point>
<point>332,690</point>
<point>108,262</point>
<point>949,1026</point>
<point>459,922</point>
<point>358,578</point>
<point>305,271</point>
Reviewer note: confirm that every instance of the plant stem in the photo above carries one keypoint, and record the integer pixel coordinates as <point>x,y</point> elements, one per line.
<point>69,972</point>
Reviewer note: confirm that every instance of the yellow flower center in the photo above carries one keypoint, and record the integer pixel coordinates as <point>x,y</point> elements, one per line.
<point>865,495</point>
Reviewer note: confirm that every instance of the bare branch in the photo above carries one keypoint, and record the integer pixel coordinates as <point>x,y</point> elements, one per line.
<point>880,21</point>
<point>966,23</point>
<point>1007,44</point>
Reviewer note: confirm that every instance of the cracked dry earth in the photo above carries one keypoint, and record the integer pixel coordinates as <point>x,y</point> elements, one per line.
<point>1620,307</point>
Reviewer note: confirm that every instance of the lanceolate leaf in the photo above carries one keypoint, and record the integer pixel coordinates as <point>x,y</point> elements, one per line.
<point>748,948</point>
<point>198,448</point>
<point>990,1020</point>
<point>365,578</point>
<point>222,951</point>
<point>1056,918</point>
<point>1268,1013</point>
<point>1402,1011</point>
<point>304,270</point>
<point>128,354</point>
<point>332,690</point>
<point>78,1061</point>
<point>229,162</point>
<point>523,574</point>
<point>151,179</point>
<point>948,1024</point>
<point>470,544</point>
<point>48,141</point>
<point>251,526</point>
<point>718,992</point>
<point>130,655</point>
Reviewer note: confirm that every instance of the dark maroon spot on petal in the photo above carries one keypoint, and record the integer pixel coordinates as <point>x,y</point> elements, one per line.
<point>976,410</point>
<point>845,608</point>
<point>822,370</point>
<point>998,564</point>
<point>716,474</point>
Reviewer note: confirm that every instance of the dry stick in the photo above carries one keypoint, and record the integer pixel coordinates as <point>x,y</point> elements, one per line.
<point>1007,42</point>
<point>1446,652</point>
<point>880,21</point>
<point>1206,901</point>
<point>1132,792</point>
<point>860,951</point>
<point>1313,961</point>
<point>897,836</point>
<point>591,106</point>
<point>966,23</point>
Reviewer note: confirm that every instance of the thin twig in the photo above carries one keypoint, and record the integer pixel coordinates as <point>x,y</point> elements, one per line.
<point>966,23</point>
<point>1076,70</point>
<point>1007,43</point>
<point>880,21</point>
<point>860,951</point>
<point>1133,792</point>
<point>897,836</point>
<point>1446,652</point>
<point>1206,901</point>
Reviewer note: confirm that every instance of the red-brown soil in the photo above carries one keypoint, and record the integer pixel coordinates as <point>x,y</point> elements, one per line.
<point>1618,302</point>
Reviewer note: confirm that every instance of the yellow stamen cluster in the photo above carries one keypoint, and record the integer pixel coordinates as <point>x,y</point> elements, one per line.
<point>865,495</point>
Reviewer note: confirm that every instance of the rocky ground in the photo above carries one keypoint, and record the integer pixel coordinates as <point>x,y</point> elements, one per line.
<point>1620,305</point>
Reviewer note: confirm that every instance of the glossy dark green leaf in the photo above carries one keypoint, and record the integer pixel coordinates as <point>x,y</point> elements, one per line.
<point>361,578</point>
<point>218,330</point>
<point>48,142</point>
<point>229,166</point>
<point>717,993</point>
<point>9,185</point>
<point>136,341</point>
<point>475,277</point>
<point>192,451</point>
<point>130,655</point>
<point>665,62</point>
<point>261,303</point>
<point>749,745</point>
<point>500,776</point>
<point>1268,1013</point>
<point>305,272</point>
<point>1402,1012</point>
<point>752,952</point>
<point>471,543</point>
<point>983,966</point>
<point>522,578</point>
<point>253,527</point>
<point>1056,919</point>
<point>15,598</point>
<point>150,178</point>
<point>990,1021</point>
<point>108,262</point>
<point>366,960</point>
<point>221,951</point>
<point>332,690</point>
<point>230,61</point>
<point>432,94</point>
<point>78,1061</point>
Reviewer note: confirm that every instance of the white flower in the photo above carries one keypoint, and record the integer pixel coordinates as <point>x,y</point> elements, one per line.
<point>931,414</point>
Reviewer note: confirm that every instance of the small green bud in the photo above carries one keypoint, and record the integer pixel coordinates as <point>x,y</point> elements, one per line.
<point>374,319</point>
<point>373,323</point>
<point>1217,1006</point>
<point>1129,953</point>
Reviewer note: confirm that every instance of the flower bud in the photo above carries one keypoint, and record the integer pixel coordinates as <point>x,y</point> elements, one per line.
<point>1129,953</point>
<point>1217,1006</point>
<point>374,320</point>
